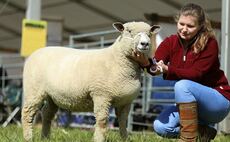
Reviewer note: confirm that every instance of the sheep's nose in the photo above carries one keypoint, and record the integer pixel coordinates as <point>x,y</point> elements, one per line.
<point>144,44</point>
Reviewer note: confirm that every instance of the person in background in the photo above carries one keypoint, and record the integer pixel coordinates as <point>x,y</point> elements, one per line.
<point>202,92</point>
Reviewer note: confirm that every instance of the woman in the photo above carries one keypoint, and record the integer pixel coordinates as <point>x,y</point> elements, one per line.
<point>202,92</point>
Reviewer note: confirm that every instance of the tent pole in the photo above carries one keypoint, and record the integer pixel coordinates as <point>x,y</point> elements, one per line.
<point>33,11</point>
<point>225,55</point>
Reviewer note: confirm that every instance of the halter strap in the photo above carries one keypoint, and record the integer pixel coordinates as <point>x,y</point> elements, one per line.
<point>132,38</point>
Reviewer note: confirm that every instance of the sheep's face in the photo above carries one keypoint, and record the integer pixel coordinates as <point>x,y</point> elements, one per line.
<point>139,33</point>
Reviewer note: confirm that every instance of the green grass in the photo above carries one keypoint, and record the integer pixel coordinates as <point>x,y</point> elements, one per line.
<point>13,133</point>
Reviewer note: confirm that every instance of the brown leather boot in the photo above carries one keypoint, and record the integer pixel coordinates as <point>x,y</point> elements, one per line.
<point>206,133</point>
<point>188,122</point>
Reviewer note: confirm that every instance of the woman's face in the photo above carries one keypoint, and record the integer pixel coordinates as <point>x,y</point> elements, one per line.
<point>187,27</point>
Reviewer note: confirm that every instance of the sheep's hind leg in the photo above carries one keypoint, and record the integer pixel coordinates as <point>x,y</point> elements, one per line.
<point>122,116</point>
<point>101,111</point>
<point>28,112</point>
<point>48,112</point>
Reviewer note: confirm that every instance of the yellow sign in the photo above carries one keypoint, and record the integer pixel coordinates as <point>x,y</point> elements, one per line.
<point>33,36</point>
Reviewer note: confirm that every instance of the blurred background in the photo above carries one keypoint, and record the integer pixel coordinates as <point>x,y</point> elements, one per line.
<point>88,24</point>
<point>83,16</point>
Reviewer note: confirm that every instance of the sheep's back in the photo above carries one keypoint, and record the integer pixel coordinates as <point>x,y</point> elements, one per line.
<point>58,69</point>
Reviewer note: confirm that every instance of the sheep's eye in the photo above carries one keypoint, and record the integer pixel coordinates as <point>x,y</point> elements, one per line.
<point>129,31</point>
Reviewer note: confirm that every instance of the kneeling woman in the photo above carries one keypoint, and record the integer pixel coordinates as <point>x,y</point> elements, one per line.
<point>202,92</point>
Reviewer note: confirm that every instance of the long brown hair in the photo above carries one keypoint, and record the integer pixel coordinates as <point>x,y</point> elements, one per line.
<point>206,30</point>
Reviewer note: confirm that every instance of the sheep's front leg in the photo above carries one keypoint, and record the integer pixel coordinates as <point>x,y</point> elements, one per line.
<point>101,111</point>
<point>122,116</point>
<point>28,113</point>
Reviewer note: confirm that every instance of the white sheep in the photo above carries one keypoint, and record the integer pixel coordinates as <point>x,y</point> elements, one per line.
<point>85,80</point>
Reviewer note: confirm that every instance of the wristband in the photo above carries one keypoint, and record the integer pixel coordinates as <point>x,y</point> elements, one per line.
<point>148,66</point>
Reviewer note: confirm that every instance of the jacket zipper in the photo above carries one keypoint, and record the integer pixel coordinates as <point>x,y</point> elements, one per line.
<point>184,54</point>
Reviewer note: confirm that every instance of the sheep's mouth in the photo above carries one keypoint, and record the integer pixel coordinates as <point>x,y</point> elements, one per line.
<point>143,49</point>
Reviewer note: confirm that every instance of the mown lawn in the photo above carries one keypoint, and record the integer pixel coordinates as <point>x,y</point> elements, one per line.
<point>13,133</point>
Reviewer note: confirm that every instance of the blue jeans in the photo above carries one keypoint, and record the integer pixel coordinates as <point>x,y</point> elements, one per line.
<point>212,107</point>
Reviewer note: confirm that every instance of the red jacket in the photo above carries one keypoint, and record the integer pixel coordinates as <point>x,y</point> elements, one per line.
<point>203,67</point>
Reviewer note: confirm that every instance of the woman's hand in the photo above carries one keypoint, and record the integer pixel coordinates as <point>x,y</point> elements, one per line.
<point>140,58</point>
<point>162,66</point>
<point>156,68</point>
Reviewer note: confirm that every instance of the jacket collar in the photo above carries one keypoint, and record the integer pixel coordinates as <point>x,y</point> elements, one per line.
<point>191,42</point>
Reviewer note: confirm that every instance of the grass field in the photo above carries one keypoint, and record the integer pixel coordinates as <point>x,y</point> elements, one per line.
<point>13,133</point>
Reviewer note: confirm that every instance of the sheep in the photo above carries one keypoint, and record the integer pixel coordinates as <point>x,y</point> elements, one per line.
<point>86,80</point>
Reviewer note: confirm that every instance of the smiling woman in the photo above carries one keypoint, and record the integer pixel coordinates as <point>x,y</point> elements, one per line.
<point>188,27</point>
<point>191,21</point>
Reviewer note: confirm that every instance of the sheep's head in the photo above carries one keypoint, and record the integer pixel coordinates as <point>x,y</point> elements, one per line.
<point>139,33</point>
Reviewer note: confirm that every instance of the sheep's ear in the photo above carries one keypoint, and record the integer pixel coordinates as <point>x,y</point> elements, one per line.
<point>155,29</point>
<point>118,26</point>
